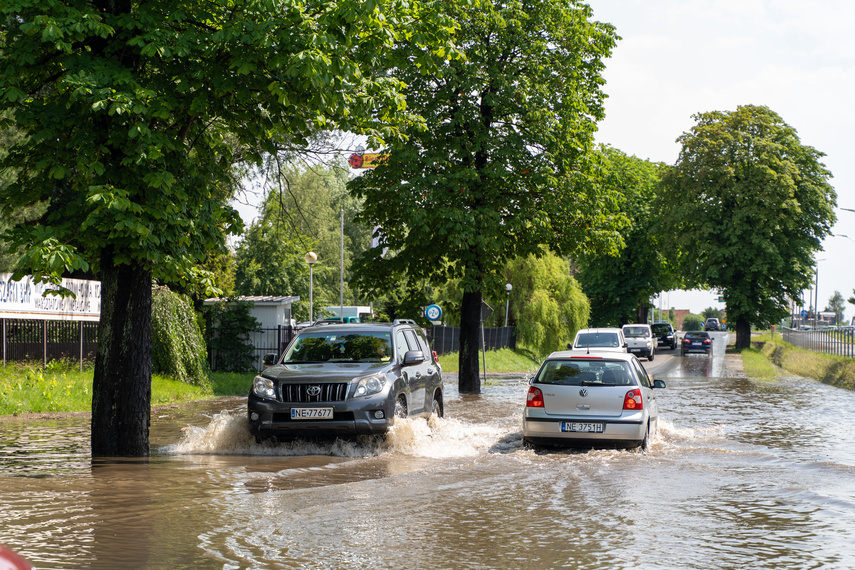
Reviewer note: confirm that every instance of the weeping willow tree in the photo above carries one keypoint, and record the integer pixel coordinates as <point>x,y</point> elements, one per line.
<point>547,303</point>
<point>177,345</point>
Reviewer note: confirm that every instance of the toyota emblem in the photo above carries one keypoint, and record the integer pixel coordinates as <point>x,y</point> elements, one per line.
<point>583,392</point>
<point>313,391</point>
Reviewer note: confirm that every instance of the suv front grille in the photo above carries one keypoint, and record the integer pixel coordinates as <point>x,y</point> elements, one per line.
<point>326,392</point>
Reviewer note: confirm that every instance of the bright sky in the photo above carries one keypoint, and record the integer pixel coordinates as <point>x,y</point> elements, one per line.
<point>681,57</point>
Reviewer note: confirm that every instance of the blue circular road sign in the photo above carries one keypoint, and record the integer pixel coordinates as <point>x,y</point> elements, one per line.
<point>433,312</point>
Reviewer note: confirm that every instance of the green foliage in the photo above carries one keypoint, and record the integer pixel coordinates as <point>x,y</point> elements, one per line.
<point>620,287</point>
<point>711,313</point>
<point>498,361</point>
<point>503,169</point>
<point>837,305</point>
<point>548,305</point>
<point>229,327</point>
<point>693,323</point>
<point>748,206</point>
<point>178,348</point>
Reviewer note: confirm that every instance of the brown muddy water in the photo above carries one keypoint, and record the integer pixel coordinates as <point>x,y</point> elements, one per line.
<point>742,474</point>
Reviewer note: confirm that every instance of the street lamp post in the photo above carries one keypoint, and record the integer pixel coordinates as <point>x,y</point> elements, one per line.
<point>508,288</point>
<point>311,258</point>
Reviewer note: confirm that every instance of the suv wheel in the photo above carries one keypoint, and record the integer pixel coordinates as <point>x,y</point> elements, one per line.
<point>400,407</point>
<point>437,407</point>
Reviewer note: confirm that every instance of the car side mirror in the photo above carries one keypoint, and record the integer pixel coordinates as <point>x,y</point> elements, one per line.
<point>658,383</point>
<point>269,359</point>
<point>569,346</point>
<point>413,357</point>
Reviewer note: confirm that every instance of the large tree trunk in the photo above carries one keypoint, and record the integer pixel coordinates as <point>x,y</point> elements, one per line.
<point>469,380</point>
<point>743,333</point>
<point>121,393</point>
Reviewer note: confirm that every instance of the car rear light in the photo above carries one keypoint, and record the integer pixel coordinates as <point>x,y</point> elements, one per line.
<point>686,341</point>
<point>632,400</point>
<point>707,341</point>
<point>535,398</point>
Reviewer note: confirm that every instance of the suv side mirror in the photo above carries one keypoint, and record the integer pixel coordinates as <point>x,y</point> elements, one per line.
<point>413,357</point>
<point>658,383</point>
<point>569,346</point>
<point>269,359</point>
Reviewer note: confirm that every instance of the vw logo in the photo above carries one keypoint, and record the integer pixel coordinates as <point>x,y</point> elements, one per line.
<point>583,392</point>
<point>313,391</point>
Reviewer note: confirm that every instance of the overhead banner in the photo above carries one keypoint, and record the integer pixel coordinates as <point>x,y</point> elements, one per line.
<point>25,299</point>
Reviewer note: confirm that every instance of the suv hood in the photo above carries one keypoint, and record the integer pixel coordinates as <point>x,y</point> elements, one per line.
<point>323,371</point>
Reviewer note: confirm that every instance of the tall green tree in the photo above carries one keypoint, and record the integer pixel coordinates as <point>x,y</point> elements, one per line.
<point>836,305</point>
<point>620,288</point>
<point>503,168</point>
<point>748,206</point>
<point>135,113</point>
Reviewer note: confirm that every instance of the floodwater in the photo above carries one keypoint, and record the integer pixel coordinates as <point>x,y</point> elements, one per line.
<point>743,474</point>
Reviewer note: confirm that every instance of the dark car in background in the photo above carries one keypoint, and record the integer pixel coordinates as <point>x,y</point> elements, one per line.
<point>697,341</point>
<point>665,333</point>
<point>346,380</point>
<point>712,324</point>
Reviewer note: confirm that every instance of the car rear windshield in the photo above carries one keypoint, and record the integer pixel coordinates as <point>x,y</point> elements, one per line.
<point>636,331</point>
<point>585,373</point>
<point>661,329</point>
<point>597,339</point>
<point>696,335</point>
<point>340,347</point>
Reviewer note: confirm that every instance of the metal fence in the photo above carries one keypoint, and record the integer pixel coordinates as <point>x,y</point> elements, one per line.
<point>36,340</point>
<point>447,339</point>
<point>263,341</point>
<point>838,342</point>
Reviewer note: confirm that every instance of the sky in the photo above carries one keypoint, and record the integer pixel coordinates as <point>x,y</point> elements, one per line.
<point>677,58</point>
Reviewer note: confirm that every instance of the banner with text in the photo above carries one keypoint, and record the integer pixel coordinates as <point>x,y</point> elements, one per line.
<point>25,299</point>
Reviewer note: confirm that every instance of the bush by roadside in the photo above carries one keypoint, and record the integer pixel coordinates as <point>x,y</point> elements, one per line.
<point>827,368</point>
<point>503,360</point>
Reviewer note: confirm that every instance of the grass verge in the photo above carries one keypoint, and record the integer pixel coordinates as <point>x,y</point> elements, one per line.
<point>757,366</point>
<point>503,360</point>
<point>827,368</point>
<point>63,387</point>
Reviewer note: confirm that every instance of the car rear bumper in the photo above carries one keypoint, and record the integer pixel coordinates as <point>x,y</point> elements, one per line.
<point>624,431</point>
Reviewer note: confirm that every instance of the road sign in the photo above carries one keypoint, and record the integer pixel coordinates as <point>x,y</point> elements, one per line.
<point>364,159</point>
<point>804,313</point>
<point>433,313</point>
<point>486,311</point>
<point>721,298</point>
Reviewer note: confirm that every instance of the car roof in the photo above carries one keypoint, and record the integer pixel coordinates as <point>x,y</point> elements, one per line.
<point>592,355</point>
<point>635,325</point>
<point>598,330</point>
<point>339,326</point>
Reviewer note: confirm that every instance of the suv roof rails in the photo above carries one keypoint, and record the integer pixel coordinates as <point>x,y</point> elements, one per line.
<point>403,322</point>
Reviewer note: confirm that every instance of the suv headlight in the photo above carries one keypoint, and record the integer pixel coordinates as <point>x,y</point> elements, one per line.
<point>371,384</point>
<point>263,388</point>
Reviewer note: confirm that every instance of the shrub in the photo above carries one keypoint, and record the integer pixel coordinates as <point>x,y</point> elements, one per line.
<point>177,346</point>
<point>693,323</point>
<point>229,327</point>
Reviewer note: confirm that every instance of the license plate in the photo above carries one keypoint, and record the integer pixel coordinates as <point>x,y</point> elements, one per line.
<point>697,343</point>
<point>582,427</point>
<point>311,413</point>
<point>635,350</point>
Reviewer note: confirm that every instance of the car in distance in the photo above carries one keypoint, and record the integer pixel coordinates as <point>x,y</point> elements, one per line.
<point>665,334</point>
<point>605,339</point>
<point>640,340</point>
<point>697,341</point>
<point>712,324</point>
<point>346,380</point>
<point>581,399</point>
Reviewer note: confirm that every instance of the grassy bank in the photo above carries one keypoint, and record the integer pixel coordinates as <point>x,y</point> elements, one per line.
<point>504,360</point>
<point>827,368</point>
<point>62,387</point>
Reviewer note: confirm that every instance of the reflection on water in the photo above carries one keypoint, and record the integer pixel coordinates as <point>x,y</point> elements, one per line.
<point>741,474</point>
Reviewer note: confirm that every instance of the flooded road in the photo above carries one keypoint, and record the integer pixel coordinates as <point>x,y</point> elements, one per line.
<point>742,474</point>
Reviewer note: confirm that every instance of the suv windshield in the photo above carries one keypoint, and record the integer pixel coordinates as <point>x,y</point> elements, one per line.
<point>597,339</point>
<point>340,347</point>
<point>635,331</point>
<point>585,372</point>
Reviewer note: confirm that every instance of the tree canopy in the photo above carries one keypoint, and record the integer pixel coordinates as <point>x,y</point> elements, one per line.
<point>134,115</point>
<point>503,169</point>
<point>748,206</point>
<point>620,288</point>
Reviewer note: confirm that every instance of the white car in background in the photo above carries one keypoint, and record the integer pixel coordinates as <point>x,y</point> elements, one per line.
<point>640,340</point>
<point>605,339</point>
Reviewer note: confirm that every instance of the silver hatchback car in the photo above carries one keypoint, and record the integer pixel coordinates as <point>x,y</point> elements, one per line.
<point>580,399</point>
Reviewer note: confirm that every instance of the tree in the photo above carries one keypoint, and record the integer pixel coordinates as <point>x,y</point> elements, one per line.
<point>836,305</point>
<point>136,112</point>
<point>748,207</point>
<point>711,313</point>
<point>620,288</point>
<point>503,169</point>
<point>549,306</point>
<point>178,347</point>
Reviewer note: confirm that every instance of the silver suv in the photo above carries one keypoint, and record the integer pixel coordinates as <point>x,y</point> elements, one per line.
<point>640,340</point>
<point>346,380</point>
<point>712,324</point>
